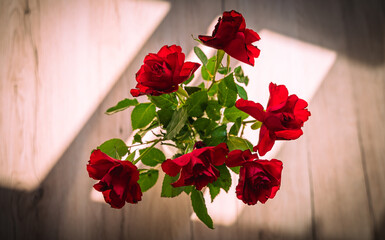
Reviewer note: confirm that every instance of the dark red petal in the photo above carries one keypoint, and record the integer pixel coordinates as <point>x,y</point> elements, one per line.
<point>99,164</point>
<point>273,167</point>
<point>278,97</point>
<point>170,168</point>
<point>235,159</point>
<point>219,154</point>
<point>237,48</point>
<point>166,50</point>
<point>253,109</point>
<point>290,134</point>
<point>266,142</point>
<point>251,36</point>
<point>300,112</point>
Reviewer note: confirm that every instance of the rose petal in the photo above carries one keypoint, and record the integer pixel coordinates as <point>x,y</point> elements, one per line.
<point>253,109</point>
<point>266,142</point>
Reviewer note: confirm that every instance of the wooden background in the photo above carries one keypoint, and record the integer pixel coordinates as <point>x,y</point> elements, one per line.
<point>333,183</point>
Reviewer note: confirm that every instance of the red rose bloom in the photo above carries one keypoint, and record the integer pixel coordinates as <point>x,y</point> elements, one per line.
<point>118,179</point>
<point>163,72</point>
<point>282,120</point>
<point>232,36</point>
<point>259,180</point>
<point>197,168</point>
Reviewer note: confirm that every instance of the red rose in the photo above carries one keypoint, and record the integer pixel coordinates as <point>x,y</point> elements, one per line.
<point>163,72</point>
<point>118,179</point>
<point>197,168</point>
<point>231,35</point>
<point>259,180</point>
<point>283,119</point>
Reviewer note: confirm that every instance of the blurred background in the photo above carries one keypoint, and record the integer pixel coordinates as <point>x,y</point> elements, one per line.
<point>63,63</point>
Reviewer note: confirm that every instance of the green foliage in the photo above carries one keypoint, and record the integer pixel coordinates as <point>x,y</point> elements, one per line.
<point>224,180</point>
<point>164,101</point>
<point>164,116</point>
<point>177,122</point>
<point>233,113</point>
<point>167,189</point>
<point>191,90</point>
<point>153,157</point>
<point>201,55</point>
<point>214,191</point>
<point>199,207</point>
<point>148,179</point>
<point>114,148</point>
<point>241,92</point>
<point>234,130</point>
<point>188,80</point>
<point>213,110</point>
<point>256,125</point>
<point>218,135</point>
<point>122,105</point>
<point>238,143</point>
<point>240,77</point>
<point>196,104</point>
<point>137,139</point>
<point>142,115</point>
<point>227,91</point>
<point>208,70</point>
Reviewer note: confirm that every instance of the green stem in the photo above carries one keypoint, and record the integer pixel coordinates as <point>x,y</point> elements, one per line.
<point>180,97</point>
<point>250,121</point>
<point>141,144</point>
<point>243,129</point>
<point>146,151</point>
<point>228,63</point>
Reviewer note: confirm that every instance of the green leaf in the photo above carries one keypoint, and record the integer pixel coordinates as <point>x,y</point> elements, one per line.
<point>241,92</point>
<point>142,115</point>
<point>213,110</point>
<point>238,71</point>
<point>177,122</point>
<point>218,135</point>
<point>188,189</point>
<point>214,191</point>
<point>201,55</point>
<point>256,125</point>
<point>167,189</point>
<point>164,116</point>
<point>224,180</point>
<point>131,156</point>
<point>236,169</point>
<point>227,91</point>
<point>208,69</point>
<point>191,90</point>
<point>238,143</point>
<point>213,90</point>
<point>223,70</point>
<point>188,80</point>
<point>137,139</point>
<point>239,76</point>
<point>197,103</point>
<point>164,101</point>
<point>114,148</point>
<point>234,130</point>
<point>148,179</point>
<point>233,113</point>
<point>124,104</point>
<point>153,157</point>
<point>199,207</point>
<point>220,54</point>
<point>201,124</point>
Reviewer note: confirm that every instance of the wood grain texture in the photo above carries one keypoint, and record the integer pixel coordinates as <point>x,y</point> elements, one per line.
<point>333,184</point>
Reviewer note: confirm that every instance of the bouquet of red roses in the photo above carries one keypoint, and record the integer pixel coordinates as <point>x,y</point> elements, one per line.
<point>203,123</point>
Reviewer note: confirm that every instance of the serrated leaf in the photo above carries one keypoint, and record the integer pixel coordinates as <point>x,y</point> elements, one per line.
<point>164,116</point>
<point>241,92</point>
<point>224,180</point>
<point>256,125</point>
<point>213,90</point>
<point>177,122</point>
<point>188,80</point>
<point>122,105</point>
<point>234,130</point>
<point>227,91</point>
<point>114,148</point>
<point>201,55</point>
<point>196,104</point>
<point>142,115</point>
<point>213,110</point>
<point>214,191</point>
<point>201,124</point>
<point>167,189</point>
<point>153,157</point>
<point>131,156</point>
<point>199,207</point>
<point>148,179</point>
<point>187,189</point>
<point>164,101</point>
<point>238,143</point>
<point>233,113</point>
<point>191,90</point>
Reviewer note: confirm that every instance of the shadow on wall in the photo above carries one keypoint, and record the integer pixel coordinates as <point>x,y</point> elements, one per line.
<point>61,207</point>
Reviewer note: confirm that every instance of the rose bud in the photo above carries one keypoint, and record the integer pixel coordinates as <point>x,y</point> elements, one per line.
<point>163,72</point>
<point>232,36</point>
<point>197,168</point>
<point>118,179</point>
<point>282,120</point>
